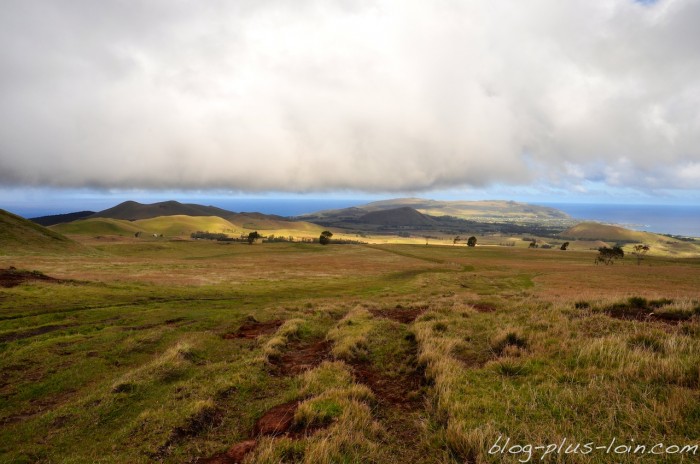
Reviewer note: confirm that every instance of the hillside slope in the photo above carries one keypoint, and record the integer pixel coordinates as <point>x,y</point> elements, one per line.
<point>597,231</point>
<point>404,216</point>
<point>98,226</point>
<point>61,218</point>
<point>183,226</point>
<point>19,236</point>
<point>661,245</point>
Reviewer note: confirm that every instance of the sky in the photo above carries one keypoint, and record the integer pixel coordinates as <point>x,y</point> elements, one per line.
<point>544,100</point>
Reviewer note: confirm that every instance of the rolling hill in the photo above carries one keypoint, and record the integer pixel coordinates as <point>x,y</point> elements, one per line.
<point>597,231</point>
<point>660,244</point>
<point>180,225</point>
<point>98,226</point>
<point>19,236</point>
<point>183,226</point>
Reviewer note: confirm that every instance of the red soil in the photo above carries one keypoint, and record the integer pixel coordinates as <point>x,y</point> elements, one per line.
<point>302,356</point>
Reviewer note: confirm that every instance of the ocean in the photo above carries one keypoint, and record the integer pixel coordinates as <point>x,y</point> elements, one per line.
<point>666,219</point>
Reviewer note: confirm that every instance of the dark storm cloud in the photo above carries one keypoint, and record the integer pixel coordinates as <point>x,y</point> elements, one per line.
<point>361,95</point>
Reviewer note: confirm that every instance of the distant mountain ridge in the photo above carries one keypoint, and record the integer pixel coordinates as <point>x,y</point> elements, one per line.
<point>61,218</point>
<point>132,210</point>
<point>470,210</point>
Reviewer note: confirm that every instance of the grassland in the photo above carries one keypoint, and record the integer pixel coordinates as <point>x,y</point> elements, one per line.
<point>196,351</point>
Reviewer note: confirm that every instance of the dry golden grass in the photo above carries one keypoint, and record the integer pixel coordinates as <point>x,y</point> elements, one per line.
<point>350,335</point>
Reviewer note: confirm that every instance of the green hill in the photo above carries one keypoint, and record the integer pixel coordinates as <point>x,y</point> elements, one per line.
<point>661,245</point>
<point>184,225</point>
<point>98,226</point>
<point>19,236</point>
<point>597,231</point>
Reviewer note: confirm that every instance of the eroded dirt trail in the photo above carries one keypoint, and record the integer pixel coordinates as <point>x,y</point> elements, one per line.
<point>302,356</point>
<point>298,357</point>
<point>400,391</point>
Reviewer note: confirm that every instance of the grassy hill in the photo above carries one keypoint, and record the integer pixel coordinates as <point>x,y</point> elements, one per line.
<point>21,236</point>
<point>660,244</point>
<point>183,226</point>
<point>98,226</point>
<point>597,231</point>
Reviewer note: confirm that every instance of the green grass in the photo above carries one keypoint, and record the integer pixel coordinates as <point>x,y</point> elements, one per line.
<point>513,342</point>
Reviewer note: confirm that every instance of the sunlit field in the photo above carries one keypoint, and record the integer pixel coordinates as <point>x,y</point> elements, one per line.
<point>197,351</point>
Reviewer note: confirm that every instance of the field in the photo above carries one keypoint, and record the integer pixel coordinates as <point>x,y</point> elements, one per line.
<point>197,351</point>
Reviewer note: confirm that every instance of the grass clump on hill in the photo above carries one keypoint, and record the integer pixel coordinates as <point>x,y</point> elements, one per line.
<point>291,329</point>
<point>350,335</point>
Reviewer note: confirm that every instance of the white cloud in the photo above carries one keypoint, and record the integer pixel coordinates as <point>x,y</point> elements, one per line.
<point>375,96</point>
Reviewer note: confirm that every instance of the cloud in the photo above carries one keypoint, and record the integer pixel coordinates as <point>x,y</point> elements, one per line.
<point>353,94</point>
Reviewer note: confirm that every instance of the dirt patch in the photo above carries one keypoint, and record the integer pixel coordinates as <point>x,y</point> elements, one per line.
<point>403,391</point>
<point>234,455</point>
<point>399,314</point>
<point>649,316</point>
<point>252,329</point>
<point>301,356</point>
<point>276,421</point>
<point>484,307</point>
<point>177,322</point>
<point>641,309</point>
<point>12,277</point>
<point>19,335</point>
<point>195,425</point>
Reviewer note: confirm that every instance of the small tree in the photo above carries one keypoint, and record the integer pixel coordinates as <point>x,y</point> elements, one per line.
<point>325,237</point>
<point>533,244</point>
<point>564,246</point>
<point>471,241</point>
<point>252,237</point>
<point>456,239</point>
<point>639,251</point>
<point>609,255</point>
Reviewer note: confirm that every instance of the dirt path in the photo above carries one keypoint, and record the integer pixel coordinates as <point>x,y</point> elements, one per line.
<point>278,420</point>
<point>400,392</point>
<point>301,356</point>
